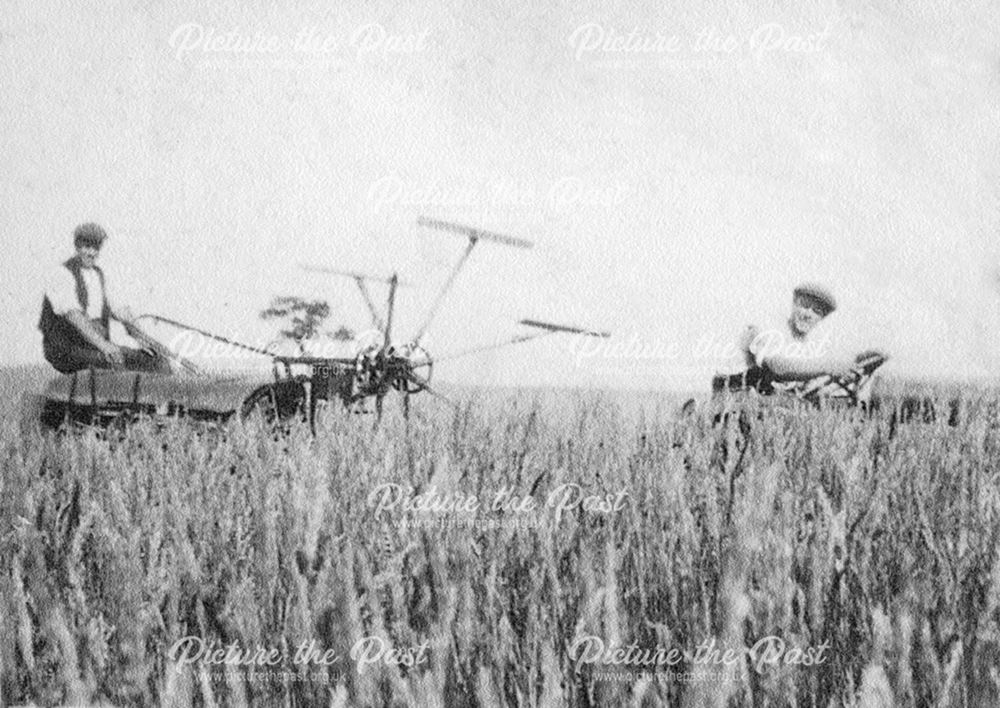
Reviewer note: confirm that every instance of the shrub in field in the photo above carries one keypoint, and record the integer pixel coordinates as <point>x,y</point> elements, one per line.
<point>522,550</point>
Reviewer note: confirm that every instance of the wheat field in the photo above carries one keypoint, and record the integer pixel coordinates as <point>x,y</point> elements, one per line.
<point>528,548</point>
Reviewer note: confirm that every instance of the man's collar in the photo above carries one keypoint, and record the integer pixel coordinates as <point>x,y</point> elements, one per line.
<point>74,260</point>
<point>796,335</point>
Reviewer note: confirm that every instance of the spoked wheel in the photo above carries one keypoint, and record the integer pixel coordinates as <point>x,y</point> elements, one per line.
<point>419,367</point>
<point>276,403</point>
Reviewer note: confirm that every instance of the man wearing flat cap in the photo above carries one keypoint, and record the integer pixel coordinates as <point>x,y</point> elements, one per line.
<point>785,359</point>
<point>76,314</point>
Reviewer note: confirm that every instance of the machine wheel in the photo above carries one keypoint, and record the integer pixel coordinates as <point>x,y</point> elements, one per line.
<point>279,402</point>
<point>420,366</point>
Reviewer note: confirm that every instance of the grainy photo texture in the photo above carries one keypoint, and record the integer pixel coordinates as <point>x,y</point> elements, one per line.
<point>500,354</point>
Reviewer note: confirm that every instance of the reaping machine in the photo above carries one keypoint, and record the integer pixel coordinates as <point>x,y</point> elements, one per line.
<point>298,385</point>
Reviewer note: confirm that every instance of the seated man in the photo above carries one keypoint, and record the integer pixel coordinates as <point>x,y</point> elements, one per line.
<point>76,312</point>
<point>784,359</point>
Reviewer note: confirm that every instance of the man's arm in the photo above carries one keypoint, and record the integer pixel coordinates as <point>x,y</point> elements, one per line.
<point>124,314</point>
<point>61,292</point>
<point>94,337</point>
<point>745,343</point>
<point>787,368</point>
<point>791,361</point>
<point>119,312</point>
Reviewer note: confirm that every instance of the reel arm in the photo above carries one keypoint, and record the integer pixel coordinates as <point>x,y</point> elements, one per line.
<point>547,329</point>
<point>359,280</point>
<point>474,236</point>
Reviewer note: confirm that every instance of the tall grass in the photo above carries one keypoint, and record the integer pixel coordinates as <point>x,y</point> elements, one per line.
<point>812,526</point>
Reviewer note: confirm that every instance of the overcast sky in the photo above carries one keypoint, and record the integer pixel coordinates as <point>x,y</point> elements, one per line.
<point>678,168</point>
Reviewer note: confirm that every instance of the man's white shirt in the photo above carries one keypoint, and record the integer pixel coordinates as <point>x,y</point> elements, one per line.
<point>778,341</point>
<point>61,291</point>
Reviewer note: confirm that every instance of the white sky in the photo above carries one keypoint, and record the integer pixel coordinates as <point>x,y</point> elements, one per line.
<point>673,196</point>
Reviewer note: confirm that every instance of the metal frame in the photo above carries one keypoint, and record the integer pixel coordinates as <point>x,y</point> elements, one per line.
<point>372,373</point>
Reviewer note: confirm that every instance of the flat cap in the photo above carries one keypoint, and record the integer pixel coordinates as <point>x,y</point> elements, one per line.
<point>89,233</point>
<point>819,293</point>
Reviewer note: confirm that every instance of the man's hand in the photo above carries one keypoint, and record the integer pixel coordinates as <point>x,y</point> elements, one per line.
<point>124,314</point>
<point>113,354</point>
<point>96,339</point>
